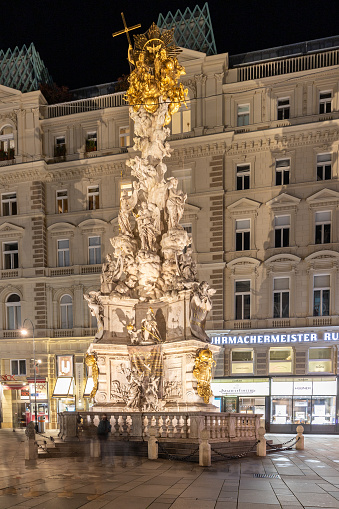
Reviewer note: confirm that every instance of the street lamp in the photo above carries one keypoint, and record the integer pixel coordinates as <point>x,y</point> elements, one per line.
<point>24,332</point>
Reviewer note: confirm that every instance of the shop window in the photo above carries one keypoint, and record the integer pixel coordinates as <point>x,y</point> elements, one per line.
<point>323,410</point>
<point>243,176</point>
<point>325,102</point>
<point>281,360</point>
<point>93,198</point>
<point>283,108</point>
<point>9,204</point>
<point>281,297</point>
<point>282,172</point>
<point>18,367</point>
<point>321,295</point>
<point>124,137</point>
<point>320,360</point>
<point>10,251</point>
<point>94,250</point>
<point>324,166</point>
<point>242,300</point>
<point>66,312</point>
<point>91,142</point>
<point>13,312</point>
<point>282,226</point>
<point>242,234</point>
<point>252,406</point>
<point>243,116</point>
<point>301,410</point>
<point>323,227</point>
<point>62,201</point>
<point>63,253</point>
<point>6,143</point>
<point>242,361</point>
<point>281,410</point>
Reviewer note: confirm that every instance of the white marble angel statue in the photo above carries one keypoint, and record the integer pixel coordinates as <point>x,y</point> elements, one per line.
<point>127,204</point>
<point>148,221</point>
<point>175,203</point>
<point>200,306</point>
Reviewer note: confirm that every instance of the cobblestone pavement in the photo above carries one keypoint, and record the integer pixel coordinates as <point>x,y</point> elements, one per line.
<point>308,479</point>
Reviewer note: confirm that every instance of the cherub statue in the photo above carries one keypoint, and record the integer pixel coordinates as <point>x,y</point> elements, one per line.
<point>200,306</point>
<point>133,333</point>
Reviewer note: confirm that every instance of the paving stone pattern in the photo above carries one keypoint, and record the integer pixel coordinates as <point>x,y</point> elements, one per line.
<point>309,479</point>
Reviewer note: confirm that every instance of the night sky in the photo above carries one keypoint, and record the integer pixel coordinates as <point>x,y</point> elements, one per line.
<point>74,38</point>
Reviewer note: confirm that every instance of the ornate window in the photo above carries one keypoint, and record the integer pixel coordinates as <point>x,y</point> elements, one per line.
<point>282,172</point>
<point>9,204</point>
<point>325,102</point>
<point>91,141</point>
<point>242,300</point>
<point>13,312</point>
<point>94,250</point>
<point>283,108</point>
<point>324,166</point>
<point>243,234</point>
<point>66,312</point>
<point>282,231</point>
<point>243,115</point>
<point>10,253</point>
<point>243,176</point>
<point>63,253</point>
<point>321,295</point>
<point>93,197</point>
<point>6,143</point>
<point>281,297</point>
<point>323,227</point>
<point>124,137</point>
<point>62,201</point>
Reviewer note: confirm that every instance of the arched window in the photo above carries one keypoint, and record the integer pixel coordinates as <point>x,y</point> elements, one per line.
<point>66,312</point>
<point>6,143</point>
<point>13,312</point>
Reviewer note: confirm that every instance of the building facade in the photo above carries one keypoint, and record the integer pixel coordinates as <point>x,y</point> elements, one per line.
<point>256,150</point>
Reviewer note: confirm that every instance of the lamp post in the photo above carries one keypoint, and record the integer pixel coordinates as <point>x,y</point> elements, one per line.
<point>24,332</point>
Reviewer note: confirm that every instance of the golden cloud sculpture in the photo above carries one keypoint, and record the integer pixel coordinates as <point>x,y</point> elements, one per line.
<point>156,73</point>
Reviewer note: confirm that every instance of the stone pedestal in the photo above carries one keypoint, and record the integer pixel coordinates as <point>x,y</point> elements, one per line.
<point>177,387</point>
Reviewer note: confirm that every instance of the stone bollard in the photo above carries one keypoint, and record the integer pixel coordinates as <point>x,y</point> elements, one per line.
<point>31,447</point>
<point>261,446</point>
<point>300,445</point>
<point>204,449</point>
<point>152,444</point>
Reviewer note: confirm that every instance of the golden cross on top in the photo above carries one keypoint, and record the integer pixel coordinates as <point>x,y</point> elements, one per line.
<point>126,30</point>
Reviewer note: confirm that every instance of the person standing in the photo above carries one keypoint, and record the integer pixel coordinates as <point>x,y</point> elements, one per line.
<point>104,428</point>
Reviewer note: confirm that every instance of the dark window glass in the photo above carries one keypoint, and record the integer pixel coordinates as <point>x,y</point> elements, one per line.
<point>285,305</point>
<point>318,236</point>
<point>276,307</point>
<point>246,241</point>
<point>327,233</point>
<point>286,177</point>
<point>238,307</point>
<point>278,178</point>
<point>239,242</point>
<point>316,303</point>
<point>239,183</point>
<point>286,237</point>
<point>246,182</point>
<point>247,299</point>
<point>277,233</point>
<point>328,172</point>
<point>326,303</point>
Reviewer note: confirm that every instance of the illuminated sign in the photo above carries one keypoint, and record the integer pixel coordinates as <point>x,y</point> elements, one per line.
<point>65,365</point>
<point>240,389</point>
<point>258,339</point>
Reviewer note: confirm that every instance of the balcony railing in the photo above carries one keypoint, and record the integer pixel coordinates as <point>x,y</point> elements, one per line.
<point>288,65</point>
<point>84,105</point>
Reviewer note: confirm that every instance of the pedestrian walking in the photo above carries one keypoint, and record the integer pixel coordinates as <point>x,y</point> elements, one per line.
<point>104,428</point>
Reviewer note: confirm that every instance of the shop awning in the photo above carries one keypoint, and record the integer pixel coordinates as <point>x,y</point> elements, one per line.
<point>89,387</point>
<point>13,385</point>
<point>64,387</point>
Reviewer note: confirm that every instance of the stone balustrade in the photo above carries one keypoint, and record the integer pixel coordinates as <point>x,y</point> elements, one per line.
<point>230,427</point>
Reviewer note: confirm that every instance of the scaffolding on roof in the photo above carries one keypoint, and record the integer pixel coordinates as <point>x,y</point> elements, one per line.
<point>23,69</point>
<point>193,29</point>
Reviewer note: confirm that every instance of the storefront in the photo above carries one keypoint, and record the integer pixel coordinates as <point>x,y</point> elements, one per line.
<point>283,402</point>
<point>64,389</point>
<point>289,377</point>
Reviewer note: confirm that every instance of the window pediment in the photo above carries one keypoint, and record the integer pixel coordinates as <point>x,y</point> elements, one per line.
<point>244,205</point>
<point>324,259</point>
<point>324,197</point>
<point>283,201</point>
<point>61,228</point>
<point>243,265</point>
<point>93,226</point>
<point>11,230</point>
<point>282,262</point>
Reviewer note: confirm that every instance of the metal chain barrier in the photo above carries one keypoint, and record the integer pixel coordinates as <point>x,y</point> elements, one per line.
<point>169,456</point>
<point>234,456</point>
<point>280,447</point>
